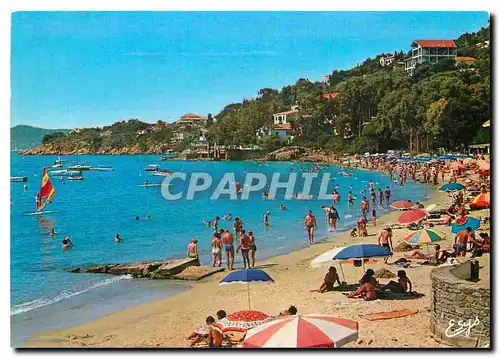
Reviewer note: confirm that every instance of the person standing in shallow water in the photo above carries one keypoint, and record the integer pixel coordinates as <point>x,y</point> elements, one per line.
<point>245,249</point>
<point>253,248</point>
<point>228,242</point>
<point>310,226</point>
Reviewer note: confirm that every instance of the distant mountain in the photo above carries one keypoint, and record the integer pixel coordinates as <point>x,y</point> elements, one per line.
<point>26,137</point>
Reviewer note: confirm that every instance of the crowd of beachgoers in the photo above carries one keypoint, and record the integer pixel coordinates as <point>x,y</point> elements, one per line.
<point>464,179</point>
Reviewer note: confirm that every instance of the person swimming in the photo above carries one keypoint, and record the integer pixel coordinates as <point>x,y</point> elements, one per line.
<point>52,232</point>
<point>66,243</point>
<point>266,218</point>
<point>117,238</point>
<point>148,217</point>
<point>282,207</point>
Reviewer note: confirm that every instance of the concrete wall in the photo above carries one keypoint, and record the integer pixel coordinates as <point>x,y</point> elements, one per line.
<point>454,298</point>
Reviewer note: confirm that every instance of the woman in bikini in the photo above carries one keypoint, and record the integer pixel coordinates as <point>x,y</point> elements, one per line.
<point>253,248</point>
<point>192,249</point>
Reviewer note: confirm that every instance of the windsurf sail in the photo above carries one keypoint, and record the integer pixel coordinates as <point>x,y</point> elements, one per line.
<point>47,192</point>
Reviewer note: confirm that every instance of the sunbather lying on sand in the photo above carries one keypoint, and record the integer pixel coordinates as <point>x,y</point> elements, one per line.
<point>438,256</point>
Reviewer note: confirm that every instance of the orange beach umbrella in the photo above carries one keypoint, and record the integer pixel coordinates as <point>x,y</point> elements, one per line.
<point>481,201</point>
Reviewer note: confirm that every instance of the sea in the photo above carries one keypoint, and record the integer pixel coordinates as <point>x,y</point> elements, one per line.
<point>45,297</point>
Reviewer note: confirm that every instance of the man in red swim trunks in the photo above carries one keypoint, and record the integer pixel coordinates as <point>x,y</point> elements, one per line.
<point>310,225</point>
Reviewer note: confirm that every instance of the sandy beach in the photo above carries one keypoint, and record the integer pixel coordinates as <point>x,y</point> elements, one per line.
<point>166,323</point>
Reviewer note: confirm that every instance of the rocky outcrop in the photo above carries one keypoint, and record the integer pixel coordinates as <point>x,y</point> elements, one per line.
<point>73,149</point>
<point>301,154</point>
<point>183,269</point>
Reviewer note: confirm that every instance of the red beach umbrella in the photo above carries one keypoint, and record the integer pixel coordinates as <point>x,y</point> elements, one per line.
<point>481,201</point>
<point>401,204</point>
<point>303,331</point>
<point>242,321</point>
<point>412,216</point>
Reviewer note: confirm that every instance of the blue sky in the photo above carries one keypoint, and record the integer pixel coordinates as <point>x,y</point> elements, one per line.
<point>80,69</point>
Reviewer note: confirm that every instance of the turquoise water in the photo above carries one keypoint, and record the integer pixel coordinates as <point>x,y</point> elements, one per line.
<point>92,210</point>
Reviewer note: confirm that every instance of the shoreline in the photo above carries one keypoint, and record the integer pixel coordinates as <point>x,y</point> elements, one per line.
<point>121,328</point>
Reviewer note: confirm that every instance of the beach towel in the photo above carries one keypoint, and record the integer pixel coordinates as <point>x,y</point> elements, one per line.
<point>388,315</point>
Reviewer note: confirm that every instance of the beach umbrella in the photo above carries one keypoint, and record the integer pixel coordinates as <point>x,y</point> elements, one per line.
<point>430,207</point>
<point>463,222</point>
<point>412,216</point>
<point>303,331</point>
<point>487,123</point>
<point>242,321</point>
<point>424,236</point>
<point>452,187</point>
<point>481,201</point>
<point>247,276</point>
<point>326,257</point>
<point>401,204</point>
<point>361,251</point>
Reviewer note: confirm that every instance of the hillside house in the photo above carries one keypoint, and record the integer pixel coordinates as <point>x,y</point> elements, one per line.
<point>431,51</point>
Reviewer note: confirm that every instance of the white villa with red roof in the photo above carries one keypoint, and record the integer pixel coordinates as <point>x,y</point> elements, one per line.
<point>282,123</point>
<point>429,51</point>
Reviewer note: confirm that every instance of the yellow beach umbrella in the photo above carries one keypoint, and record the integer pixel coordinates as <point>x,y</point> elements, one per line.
<point>481,201</point>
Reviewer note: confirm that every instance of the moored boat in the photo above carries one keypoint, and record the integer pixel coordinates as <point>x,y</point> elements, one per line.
<point>65,172</point>
<point>18,179</point>
<point>152,168</point>
<point>75,177</point>
<point>79,167</point>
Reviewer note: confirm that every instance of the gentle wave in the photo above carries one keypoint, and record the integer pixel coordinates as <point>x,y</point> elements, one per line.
<point>42,302</point>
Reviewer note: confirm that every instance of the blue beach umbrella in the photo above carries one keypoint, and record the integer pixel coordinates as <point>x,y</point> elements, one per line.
<point>361,251</point>
<point>247,276</point>
<point>452,187</point>
<point>461,224</point>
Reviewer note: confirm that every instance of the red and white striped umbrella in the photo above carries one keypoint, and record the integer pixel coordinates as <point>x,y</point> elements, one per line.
<point>303,331</point>
<point>244,320</point>
<point>401,204</point>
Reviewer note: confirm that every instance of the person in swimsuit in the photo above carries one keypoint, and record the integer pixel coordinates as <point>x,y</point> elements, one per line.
<point>266,219</point>
<point>385,240</point>
<point>310,225</point>
<point>333,216</point>
<point>402,285</point>
<point>282,207</point>
<point>66,243</point>
<point>192,249</point>
<point>117,238</point>
<point>330,278</point>
<point>364,206</point>
<point>228,242</point>
<point>215,223</point>
<point>214,338</point>
<point>253,248</point>
<point>350,199</point>
<point>216,250</point>
<point>52,232</point>
<point>237,225</point>
<point>461,240</point>
<point>387,195</point>
<point>380,198</point>
<point>245,249</point>
<point>367,288</point>
<point>146,183</point>
<point>374,218</point>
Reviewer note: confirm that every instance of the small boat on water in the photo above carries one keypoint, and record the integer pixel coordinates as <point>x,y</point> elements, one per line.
<point>152,168</point>
<point>102,169</point>
<point>65,172</point>
<point>79,167</point>
<point>18,179</point>
<point>163,173</point>
<point>75,177</point>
